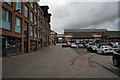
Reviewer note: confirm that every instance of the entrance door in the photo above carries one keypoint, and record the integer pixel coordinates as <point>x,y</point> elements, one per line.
<point>25,37</point>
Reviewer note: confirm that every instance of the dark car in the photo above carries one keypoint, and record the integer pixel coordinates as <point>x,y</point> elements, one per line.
<point>92,48</point>
<point>116,58</point>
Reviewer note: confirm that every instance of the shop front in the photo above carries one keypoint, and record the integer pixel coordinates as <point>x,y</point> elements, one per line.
<point>10,45</point>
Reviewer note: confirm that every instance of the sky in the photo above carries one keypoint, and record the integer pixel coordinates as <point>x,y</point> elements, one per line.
<point>87,14</point>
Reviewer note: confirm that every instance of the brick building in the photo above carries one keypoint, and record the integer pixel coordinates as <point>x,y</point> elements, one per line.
<point>53,37</point>
<point>111,36</point>
<point>83,34</point>
<point>25,27</point>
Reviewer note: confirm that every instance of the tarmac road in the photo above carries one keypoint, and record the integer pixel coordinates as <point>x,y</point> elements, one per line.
<point>56,62</point>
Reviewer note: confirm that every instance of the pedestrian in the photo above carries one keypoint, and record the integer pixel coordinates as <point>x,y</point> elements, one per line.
<point>54,43</point>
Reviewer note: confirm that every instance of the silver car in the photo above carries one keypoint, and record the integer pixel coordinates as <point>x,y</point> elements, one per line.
<point>73,45</point>
<point>80,45</point>
<point>105,50</point>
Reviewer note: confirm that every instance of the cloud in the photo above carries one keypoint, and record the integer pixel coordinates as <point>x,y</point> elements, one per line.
<point>75,15</point>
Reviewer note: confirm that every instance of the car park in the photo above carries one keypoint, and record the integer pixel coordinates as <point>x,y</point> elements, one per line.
<point>105,49</point>
<point>74,45</point>
<point>92,48</point>
<point>116,58</point>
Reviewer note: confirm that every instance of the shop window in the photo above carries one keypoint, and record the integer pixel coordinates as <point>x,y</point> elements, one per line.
<point>11,45</point>
<point>8,2</point>
<point>39,44</point>
<point>31,30</point>
<point>33,45</point>
<point>19,6</point>
<point>26,12</point>
<point>31,16</point>
<point>6,19</point>
<point>18,25</point>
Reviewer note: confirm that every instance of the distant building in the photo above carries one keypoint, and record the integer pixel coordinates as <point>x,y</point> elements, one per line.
<point>83,34</point>
<point>25,27</point>
<point>53,37</point>
<point>111,36</point>
<point>60,38</point>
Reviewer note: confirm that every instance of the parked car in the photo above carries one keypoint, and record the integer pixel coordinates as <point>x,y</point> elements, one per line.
<point>92,48</point>
<point>73,45</point>
<point>116,58</point>
<point>80,45</point>
<point>66,45</point>
<point>112,44</point>
<point>116,48</point>
<point>87,44</point>
<point>105,49</point>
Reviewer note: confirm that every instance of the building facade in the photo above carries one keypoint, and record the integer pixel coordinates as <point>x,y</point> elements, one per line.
<point>111,36</point>
<point>53,37</point>
<point>87,35</point>
<point>25,27</point>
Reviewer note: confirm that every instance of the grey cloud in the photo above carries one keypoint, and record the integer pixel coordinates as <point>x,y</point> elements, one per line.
<point>84,15</point>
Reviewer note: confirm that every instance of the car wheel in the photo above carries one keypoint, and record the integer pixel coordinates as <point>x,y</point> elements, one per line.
<point>115,62</point>
<point>97,52</point>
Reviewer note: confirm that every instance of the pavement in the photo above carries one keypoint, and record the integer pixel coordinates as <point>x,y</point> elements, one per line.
<point>53,62</point>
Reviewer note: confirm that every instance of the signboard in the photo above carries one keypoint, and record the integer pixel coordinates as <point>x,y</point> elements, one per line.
<point>68,36</point>
<point>96,35</point>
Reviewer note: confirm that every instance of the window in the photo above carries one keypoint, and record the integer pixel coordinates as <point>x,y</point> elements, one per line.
<point>38,34</point>
<point>38,23</point>
<point>18,25</point>
<point>35,34</point>
<point>35,20</point>
<point>35,7</point>
<point>39,13</point>
<point>31,4</point>
<point>31,30</point>
<point>8,1</point>
<point>26,12</point>
<point>31,16</point>
<point>18,6</point>
<point>6,19</point>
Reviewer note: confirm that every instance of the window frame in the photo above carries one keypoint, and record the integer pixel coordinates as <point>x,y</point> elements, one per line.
<point>18,6</point>
<point>31,30</point>
<point>9,18</point>
<point>26,12</point>
<point>31,16</point>
<point>19,23</point>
